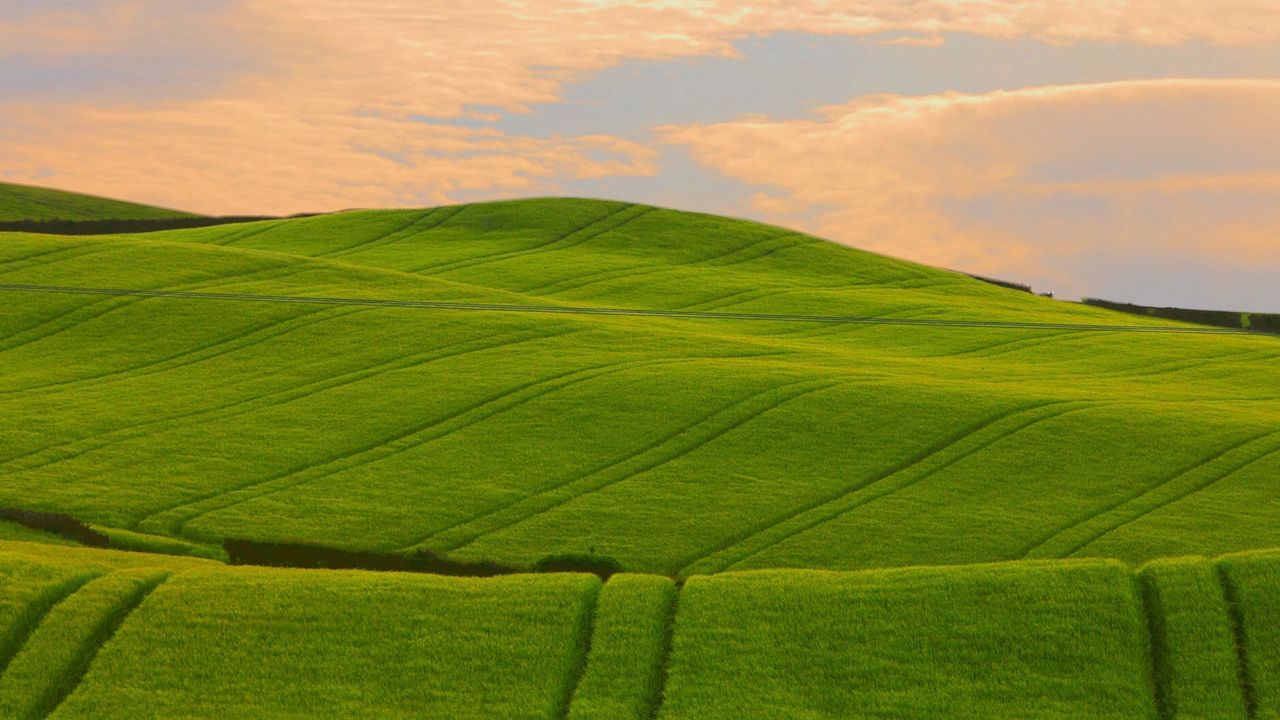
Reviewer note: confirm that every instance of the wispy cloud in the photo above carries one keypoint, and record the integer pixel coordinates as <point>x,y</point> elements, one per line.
<point>1038,184</point>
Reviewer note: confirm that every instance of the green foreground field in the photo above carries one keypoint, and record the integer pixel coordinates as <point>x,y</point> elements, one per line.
<point>101,634</point>
<point>1021,427</point>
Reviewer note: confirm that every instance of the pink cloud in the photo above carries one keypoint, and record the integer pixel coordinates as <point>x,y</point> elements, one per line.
<point>1028,183</point>
<point>324,116</point>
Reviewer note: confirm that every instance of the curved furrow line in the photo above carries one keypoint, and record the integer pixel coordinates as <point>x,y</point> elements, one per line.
<point>579,281</point>
<point>476,414</point>
<point>762,250</point>
<point>273,398</point>
<point>1177,497</point>
<point>1173,366</point>
<point>667,449</point>
<point>445,217</point>
<point>61,254</point>
<point>567,240</point>
<point>1037,343</point>
<point>719,302</point>
<point>174,520</point>
<point>1004,343</point>
<point>449,265</point>
<point>1087,517</point>
<point>116,304</point>
<point>710,259</point>
<point>243,234</point>
<point>298,323</point>
<point>932,460</point>
<point>389,236</point>
<point>152,367</point>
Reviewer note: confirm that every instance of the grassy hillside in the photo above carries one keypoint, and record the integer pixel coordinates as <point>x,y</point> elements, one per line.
<point>679,444</point>
<point>96,634</point>
<point>24,202</point>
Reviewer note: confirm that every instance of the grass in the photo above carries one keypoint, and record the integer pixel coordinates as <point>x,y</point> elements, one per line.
<point>1193,639</point>
<point>423,647</point>
<point>58,652</point>
<point>25,202</point>
<point>673,445</point>
<point>1045,639</point>
<point>1002,641</point>
<point>628,650</point>
<point>799,472</point>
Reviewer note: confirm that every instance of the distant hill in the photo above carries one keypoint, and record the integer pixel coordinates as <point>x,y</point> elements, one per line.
<point>26,202</point>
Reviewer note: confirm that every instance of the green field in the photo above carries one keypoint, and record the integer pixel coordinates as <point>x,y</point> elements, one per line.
<point>97,634</point>
<point>25,202</point>
<point>683,395</point>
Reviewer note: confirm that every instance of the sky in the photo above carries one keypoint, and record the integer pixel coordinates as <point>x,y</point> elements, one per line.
<point>1124,149</point>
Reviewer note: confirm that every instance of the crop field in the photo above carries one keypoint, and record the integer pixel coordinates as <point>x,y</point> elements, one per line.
<point>100,634</point>
<point>24,202</point>
<point>778,415</point>
<point>832,484</point>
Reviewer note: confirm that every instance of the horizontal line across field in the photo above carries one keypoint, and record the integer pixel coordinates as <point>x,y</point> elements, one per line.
<point>628,312</point>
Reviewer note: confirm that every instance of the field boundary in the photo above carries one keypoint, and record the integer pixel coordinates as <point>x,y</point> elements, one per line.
<point>621,312</point>
<point>1235,614</point>
<point>583,632</point>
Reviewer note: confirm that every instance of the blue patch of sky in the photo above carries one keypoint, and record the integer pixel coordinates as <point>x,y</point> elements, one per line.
<point>175,59</point>
<point>789,74</point>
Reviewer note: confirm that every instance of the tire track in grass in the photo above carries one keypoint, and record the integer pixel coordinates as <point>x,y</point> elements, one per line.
<point>113,304</point>
<point>1048,539</point>
<point>285,396</point>
<point>932,460</point>
<point>567,240</point>
<point>667,449</point>
<point>88,650</point>
<point>35,611</point>
<point>465,419</point>
<point>382,449</point>
<point>63,253</point>
<point>414,219</point>
<point>663,669</point>
<point>152,367</point>
<point>1005,343</point>
<point>580,281</point>
<point>1173,492</point>
<point>1235,615</point>
<point>1173,366</point>
<point>445,217</point>
<point>584,629</point>
<point>886,319</point>
<point>1152,611</point>
<point>239,234</point>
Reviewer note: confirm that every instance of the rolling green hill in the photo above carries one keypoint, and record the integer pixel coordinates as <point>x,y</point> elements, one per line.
<point>840,485</point>
<point>25,202</point>
<point>99,634</point>
<point>458,380</point>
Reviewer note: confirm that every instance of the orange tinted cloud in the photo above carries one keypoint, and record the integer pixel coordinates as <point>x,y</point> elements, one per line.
<point>329,113</point>
<point>1028,183</point>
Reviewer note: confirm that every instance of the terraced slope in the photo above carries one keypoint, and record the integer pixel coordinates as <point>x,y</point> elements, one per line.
<point>309,387</point>
<point>25,202</point>
<point>95,634</point>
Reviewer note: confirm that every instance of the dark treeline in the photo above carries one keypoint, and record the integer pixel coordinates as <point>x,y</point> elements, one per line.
<point>123,227</point>
<point>1002,283</point>
<point>56,523</point>
<point>1256,322</point>
<point>292,555</point>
